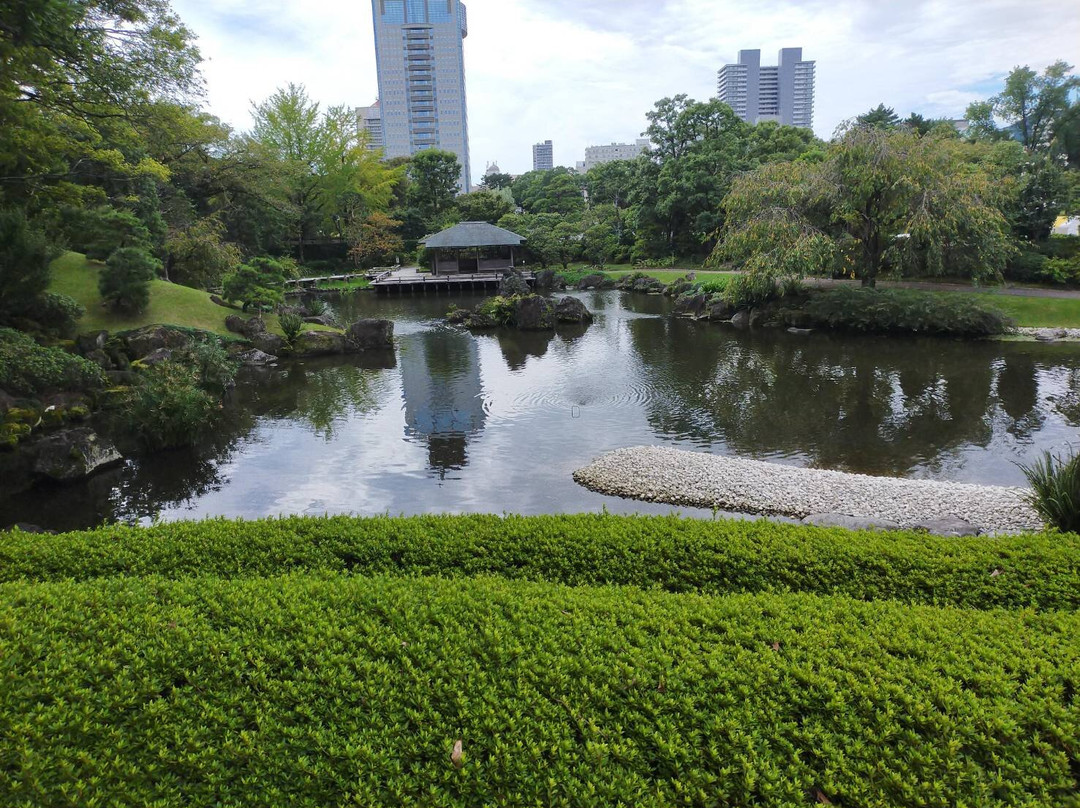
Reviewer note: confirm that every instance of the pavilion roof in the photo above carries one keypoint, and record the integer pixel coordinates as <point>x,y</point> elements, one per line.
<point>472,234</point>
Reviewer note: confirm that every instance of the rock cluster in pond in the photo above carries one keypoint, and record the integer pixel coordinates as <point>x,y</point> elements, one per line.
<point>73,454</point>
<point>678,477</point>
<point>360,337</point>
<point>525,312</point>
<point>640,282</point>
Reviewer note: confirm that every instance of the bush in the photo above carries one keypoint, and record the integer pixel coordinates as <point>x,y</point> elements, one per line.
<point>258,284</point>
<point>905,311</point>
<point>100,231</point>
<point>124,282</point>
<point>54,313</point>
<point>28,369</point>
<point>1026,266</point>
<point>678,555</point>
<point>749,290</point>
<point>168,408</point>
<point>316,307</point>
<point>1065,271</point>
<point>25,254</point>
<point>291,326</point>
<point>1055,494</point>
<point>498,308</point>
<point>335,690</point>
<point>198,255</point>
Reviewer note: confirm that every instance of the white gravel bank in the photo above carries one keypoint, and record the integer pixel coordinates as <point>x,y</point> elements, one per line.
<point>677,477</point>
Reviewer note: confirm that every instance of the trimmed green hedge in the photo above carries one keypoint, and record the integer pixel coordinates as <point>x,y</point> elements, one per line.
<point>333,690</point>
<point>679,555</point>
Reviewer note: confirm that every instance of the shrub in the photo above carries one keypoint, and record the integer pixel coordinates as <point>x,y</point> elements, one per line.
<point>713,286</point>
<point>124,282</point>
<point>24,264</point>
<point>100,231</point>
<point>905,311</point>
<point>1061,270</point>
<point>168,408</point>
<point>198,255</point>
<point>754,289</point>
<point>55,313</point>
<point>1055,494</point>
<point>333,690</point>
<point>498,308</point>
<point>258,284</point>
<point>1026,266</point>
<point>678,555</point>
<point>214,370</point>
<point>27,368</point>
<point>316,307</point>
<point>291,326</point>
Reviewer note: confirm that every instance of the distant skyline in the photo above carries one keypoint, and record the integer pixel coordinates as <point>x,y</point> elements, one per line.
<point>585,73</point>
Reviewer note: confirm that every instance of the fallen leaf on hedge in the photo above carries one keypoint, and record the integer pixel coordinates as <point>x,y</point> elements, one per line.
<point>457,757</point>
<point>776,646</point>
<point>995,573</point>
<point>821,797</point>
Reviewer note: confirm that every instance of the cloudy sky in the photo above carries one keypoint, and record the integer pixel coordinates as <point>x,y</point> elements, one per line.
<point>584,72</point>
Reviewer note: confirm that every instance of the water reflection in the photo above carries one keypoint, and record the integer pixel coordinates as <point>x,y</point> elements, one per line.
<point>497,422</point>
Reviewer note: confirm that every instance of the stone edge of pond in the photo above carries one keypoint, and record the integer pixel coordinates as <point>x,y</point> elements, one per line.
<point>680,477</point>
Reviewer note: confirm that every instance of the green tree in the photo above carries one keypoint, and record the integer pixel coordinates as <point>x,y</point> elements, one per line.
<point>124,283</point>
<point>1038,108</point>
<point>25,254</point>
<point>484,206</point>
<point>257,285</point>
<point>497,181</point>
<point>435,176</point>
<point>881,117</point>
<point>881,201</point>
<point>375,240</point>
<point>197,256</point>
<point>770,142</point>
<point>101,230</point>
<point>611,183</point>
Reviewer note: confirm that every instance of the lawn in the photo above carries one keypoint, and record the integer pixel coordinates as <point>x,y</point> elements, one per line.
<point>1038,312</point>
<point>170,304</point>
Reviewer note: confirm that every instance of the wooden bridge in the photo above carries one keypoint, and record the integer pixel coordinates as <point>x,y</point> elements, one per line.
<point>405,281</point>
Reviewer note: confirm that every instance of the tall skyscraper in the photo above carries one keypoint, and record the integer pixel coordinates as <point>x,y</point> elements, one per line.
<point>369,120</point>
<point>543,156</point>
<point>419,54</point>
<point>783,93</point>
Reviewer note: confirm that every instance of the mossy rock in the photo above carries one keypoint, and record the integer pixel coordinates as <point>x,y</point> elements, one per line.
<point>22,415</point>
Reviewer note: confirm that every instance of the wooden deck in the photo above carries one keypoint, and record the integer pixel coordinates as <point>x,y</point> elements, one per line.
<point>423,282</point>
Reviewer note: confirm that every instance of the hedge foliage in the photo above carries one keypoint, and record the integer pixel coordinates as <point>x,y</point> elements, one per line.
<point>905,311</point>
<point>678,555</point>
<point>29,369</point>
<point>333,690</point>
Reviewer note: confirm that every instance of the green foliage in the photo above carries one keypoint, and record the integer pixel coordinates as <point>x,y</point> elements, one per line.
<point>905,311</point>
<point>484,206</point>
<point>756,289</point>
<point>199,257</point>
<point>1038,106</point>
<point>669,553</point>
<point>1055,490</point>
<point>436,177</point>
<point>54,313</point>
<point>27,368</point>
<point>100,231</point>
<point>214,369</point>
<point>498,308</point>
<point>552,192</point>
<point>25,254</point>
<point>124,282</point>
<point>291,326</point>
<point>257,285</point>
<point>334,690</point>
<point>880,117</point>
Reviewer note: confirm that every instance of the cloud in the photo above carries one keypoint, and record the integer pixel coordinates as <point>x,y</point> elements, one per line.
<point>585,72</point>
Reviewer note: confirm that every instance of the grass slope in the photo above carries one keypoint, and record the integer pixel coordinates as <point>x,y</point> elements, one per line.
<point>1038,312</point>
<point>170,304</point>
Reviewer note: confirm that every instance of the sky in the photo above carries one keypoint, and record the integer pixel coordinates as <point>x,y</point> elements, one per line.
<point>585,72</point>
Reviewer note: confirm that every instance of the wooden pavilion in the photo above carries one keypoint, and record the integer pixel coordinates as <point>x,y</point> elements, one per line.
<point>471,248</point>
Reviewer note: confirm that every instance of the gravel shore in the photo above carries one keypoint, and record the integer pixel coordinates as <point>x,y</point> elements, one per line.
<point>677,477</point>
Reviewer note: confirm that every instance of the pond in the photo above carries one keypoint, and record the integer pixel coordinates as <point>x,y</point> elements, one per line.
<point>498,422</point>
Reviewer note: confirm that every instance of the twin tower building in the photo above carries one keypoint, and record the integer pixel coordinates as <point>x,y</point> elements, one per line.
<point>420,57</point>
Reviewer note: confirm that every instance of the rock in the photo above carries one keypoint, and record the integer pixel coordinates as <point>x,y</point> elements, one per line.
<point>73,454</point>
<point>217,301</point>
<point>678,288</point>
<point>757,318</point>
<point>794,330</point>
<point>268,343</point>
<point>122,378</point>
<point>235,323</point>
<point>479,320</point>
<point>88,343</point>
<point>6,401</point>
<point>651,286</point>
<point>320,319</point>
<point>534,313</point>
<point>319,343</point>
<point>741,319</point>
<point>513,283</point>
<point>458,316</point>
<point>592,281</point>
<point>572,310</point>
<point>797,318</point>
<point>370,335</point>
<point>157,357</point>
<point>719,309</point>
<point>255,357</point>
<point>154,337</point>
<point>101,359</point>
<point>950,526</point>
<point>690,305</point>
<point>252,327</point>
<point>545,280</point>
<point>849,522</point>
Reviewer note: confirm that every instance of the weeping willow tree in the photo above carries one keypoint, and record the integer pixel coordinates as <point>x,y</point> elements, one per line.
<point>880,202</point>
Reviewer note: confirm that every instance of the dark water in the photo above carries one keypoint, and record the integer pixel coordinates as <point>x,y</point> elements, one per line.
<point>497,423</point>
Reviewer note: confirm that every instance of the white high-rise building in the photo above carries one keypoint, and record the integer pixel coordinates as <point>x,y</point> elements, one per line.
<point>419,54</point>
<point>543,156</point>
<point>783,92</point>
<point>369,120</point>
<point>598,155</point>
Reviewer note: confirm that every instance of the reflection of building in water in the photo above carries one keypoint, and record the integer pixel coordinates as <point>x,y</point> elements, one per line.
<point>444,405</point>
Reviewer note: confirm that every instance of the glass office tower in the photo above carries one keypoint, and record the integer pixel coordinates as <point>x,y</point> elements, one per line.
<point>420,57</point>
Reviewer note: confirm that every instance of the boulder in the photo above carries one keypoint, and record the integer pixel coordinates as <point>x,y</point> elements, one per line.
<point>252,327</point>
<point>534,313</point>
<point>513,283</point>
<point>101,359</point>
<point>73,454</point>
<point>268,343</point>
<point>545,280</point>
<point>650,286</point>
<point>794,330</point>
<point>152,338</point>
<point>480,320</point>
<point>572,310</point>
<point>678,288</point>
<point>157,357</point>
<point>757,318</point>
<point>122,378</point>
<point>690,305</point>
<point>255,357</point>
<point>718,309</point>
<point>235,323</point>
<point>370,335</point>
<point>318,343</point>
<point>849,522</point>
<point>320,319</point>
<point>88,343</point>
<point>950,526</point>
<point>741,319</point>
<point>593,281</point>
<point>217,301</point>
